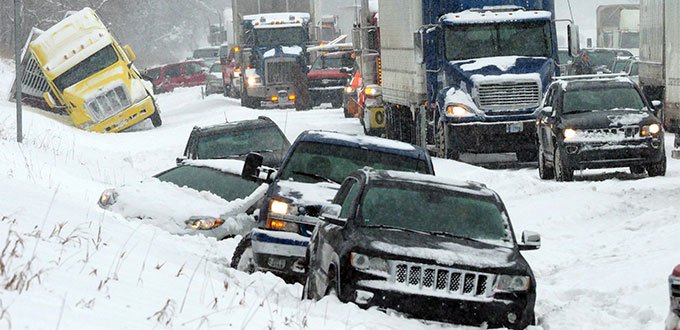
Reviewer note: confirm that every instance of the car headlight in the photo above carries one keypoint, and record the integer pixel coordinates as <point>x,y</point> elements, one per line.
<point>204,223</point>
<point>278,207</point>
<point>349,89</point>
<point>373,90</point>
<point>569,133</point>
<point>509,283</point>
<point>364,262</point>
<point>107,198</point>
<point>458,110</point>
<point>283,225</point>
<point>654,128</point>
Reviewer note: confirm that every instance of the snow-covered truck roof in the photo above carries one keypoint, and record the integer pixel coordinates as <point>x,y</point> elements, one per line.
<point>68,42</point>
<point>277,20</point>
<point>494,15</point>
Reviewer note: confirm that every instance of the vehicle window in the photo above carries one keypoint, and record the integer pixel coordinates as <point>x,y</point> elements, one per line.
<point>153,73</point>
<point>228,186</point>
<point>223,51</point>
<point>205,53</point>
<point>500,39</point>
<point>620,66</point>
<point>215,68</point>
<point>191,69</point>
<point>635,69</point>
<point>429,209</point>
<point>100,60</point>
<point>172,71</point>
<point>597,99</point>
<point>334,62</point>
<point>349,198</point>
<point>337,162</point>
<point>601,58</point>
<point>239,143</point>
<point>630,40</point>
<point>288,36</point>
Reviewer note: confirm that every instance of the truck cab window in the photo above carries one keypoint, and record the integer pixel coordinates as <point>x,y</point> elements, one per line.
<point>100,60</point>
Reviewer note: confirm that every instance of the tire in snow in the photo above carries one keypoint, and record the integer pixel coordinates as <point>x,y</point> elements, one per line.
<point>243,256</point>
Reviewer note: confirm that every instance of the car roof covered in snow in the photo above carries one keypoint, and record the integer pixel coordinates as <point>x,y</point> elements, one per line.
<point>230,166</point>
<point>570,83</point>
<point>364,142</point>
<point>469,187</point>
<point>261,121</point>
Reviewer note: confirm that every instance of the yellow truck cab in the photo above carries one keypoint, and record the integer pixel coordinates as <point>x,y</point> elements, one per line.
<point>91,76</point>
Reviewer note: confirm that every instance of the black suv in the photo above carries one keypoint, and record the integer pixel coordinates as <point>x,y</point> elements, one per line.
<point>425,246</point>
<point>307,181</point>
<point>236,139</point>
<point>598,122</point>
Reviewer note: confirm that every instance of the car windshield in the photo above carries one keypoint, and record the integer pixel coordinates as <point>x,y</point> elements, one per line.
<point>601,58</point>
<point>312,162</point>
<point>206,53</point>
<point>335,62</point>
<point>291,36</point>
<point>228,186</point>
<point>240,142</point>
<point>100,60</point>
<point>500,39</point>
<point>598,99</point>
<point>620,65</point>
<point>430,209</point>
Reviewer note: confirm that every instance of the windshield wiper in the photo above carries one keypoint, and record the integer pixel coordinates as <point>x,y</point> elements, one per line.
<point>577,111</point>
<point>397,228</point>
<point>447,234</point>
<point>315,176</point>
<point>246,153</point>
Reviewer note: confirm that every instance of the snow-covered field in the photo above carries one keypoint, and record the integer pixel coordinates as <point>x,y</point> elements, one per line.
<point>609,240</point>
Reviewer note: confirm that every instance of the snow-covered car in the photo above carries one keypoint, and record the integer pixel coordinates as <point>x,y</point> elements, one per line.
<point>206,197</point>
<point>673,319</point>
<point>598,122</point>
<point>237,139</point>
<point>213,83</point>
<point>307,181</point>
<point>425,246</point>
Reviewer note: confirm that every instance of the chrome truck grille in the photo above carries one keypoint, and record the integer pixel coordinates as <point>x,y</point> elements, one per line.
<point>108,104</point>
<point>33,81</point>
<point>505,96</point>
<point>448,281</point>
<point>279,71</point>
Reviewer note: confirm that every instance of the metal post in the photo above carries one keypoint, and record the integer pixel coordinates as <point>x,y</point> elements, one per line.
<point>17,66</point>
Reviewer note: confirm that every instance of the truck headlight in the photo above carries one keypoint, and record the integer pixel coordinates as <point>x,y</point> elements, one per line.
<point>107,198</point>
<point>253,80</point>
<point>459,110</point>
<point>509,283</point>
<point>373,91</point>
<point>349,89</point>
<point>364,262</point>
<point>278,207</point>
<point>569,133</point>
<point>204,223</point>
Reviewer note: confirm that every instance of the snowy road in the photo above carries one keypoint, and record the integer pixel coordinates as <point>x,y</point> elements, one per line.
<point>609,240</point>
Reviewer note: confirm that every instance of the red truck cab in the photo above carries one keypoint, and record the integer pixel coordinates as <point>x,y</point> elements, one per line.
<point>327,79</point>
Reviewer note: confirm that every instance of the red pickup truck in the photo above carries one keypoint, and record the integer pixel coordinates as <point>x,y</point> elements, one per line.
<point>326,81</point>
<point>167,77</point>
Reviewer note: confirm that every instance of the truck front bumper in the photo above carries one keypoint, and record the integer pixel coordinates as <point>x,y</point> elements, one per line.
<point>126,118</point>
<point>494,137</point>
<point>332,94</point>
<point>282,253</point>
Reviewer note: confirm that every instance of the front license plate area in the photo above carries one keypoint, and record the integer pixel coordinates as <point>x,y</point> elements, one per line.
<point>514,127</point>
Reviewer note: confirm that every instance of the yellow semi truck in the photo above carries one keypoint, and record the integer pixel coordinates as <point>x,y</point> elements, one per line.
<point>78,66</point>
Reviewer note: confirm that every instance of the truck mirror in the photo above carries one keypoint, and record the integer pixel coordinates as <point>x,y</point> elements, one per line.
<point>251,167</point>
<point>49,100</point>
<point>130,54</point>
<point>356,39</point>
<point>573,39</point>
<point>418,46</point>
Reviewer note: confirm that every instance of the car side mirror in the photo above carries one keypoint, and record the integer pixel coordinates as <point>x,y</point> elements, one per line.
<point>333,219</point>
<point>656,104</point>
<point>530,241</point>
<point>331,210</point>
<point>573,40</point>
<point>254,171</point>
<point>180,160</point>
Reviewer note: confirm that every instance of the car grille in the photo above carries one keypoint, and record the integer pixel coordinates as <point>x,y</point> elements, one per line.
<point>278,72</point>
<point>327,82</point>
<point>108,104</point>
<point>449,281</point>
<point>508,96</point>
<point>625,132</point>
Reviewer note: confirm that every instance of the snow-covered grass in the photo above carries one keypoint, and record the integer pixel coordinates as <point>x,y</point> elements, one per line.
<point>609,239</point>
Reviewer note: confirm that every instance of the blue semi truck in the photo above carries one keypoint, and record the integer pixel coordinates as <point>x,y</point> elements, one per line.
<point>468,76</point>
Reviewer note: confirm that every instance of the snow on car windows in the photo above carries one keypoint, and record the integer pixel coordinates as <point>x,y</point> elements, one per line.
<point>619,98</point>
<point>227,186</point>
<point>313,162</point>
<point>240,143</point>
<point>417,207</point>
<point>100,60</point>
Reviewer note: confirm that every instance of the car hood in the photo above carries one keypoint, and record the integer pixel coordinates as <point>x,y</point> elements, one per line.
<point>446,251</point>
<point>168,206</point>
<point>326,74</point>
<point>314,195</point>
<point>609,118</point>
<point>467,72</point>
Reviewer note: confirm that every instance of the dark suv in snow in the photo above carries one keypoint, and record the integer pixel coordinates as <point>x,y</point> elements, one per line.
<point>425,246</point>
<point>598,122</point>
<point>307,181</point>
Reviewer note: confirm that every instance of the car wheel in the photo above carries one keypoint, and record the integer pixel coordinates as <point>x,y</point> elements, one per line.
<point>657,169</point>
<point>243,256</point>
<point>156,120</point>
<point>309,290</point>
<point>562,171</point>
<point>441,146</point>
<point>332,289</point>
<point>545,172</point>
<point>637,169</point>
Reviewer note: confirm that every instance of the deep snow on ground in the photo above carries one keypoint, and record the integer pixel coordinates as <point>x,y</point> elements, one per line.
<point>609,239</point>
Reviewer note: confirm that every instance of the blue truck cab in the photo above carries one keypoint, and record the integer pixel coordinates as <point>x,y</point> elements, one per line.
<point>482,68</point>
<point>276,46</point>
<point>301,190</point>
